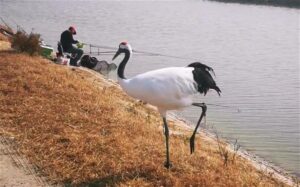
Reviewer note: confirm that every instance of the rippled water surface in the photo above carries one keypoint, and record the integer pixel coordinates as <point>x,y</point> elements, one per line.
<point>253,49</point>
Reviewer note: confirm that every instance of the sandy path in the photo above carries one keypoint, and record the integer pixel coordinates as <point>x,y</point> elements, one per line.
<point>14,169</point>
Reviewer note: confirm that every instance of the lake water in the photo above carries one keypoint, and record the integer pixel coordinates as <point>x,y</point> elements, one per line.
<point>254,51</point>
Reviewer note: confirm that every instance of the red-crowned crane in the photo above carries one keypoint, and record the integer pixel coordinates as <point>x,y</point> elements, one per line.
<point>168,89</point>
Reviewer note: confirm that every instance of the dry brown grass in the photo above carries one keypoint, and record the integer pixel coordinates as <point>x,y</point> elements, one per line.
<point>4,45</point>
<point>79,131</point>
<point>3,37</point>
<point>4,42</point>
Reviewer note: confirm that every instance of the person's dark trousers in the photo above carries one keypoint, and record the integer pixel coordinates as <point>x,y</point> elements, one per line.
<point>76,53</point>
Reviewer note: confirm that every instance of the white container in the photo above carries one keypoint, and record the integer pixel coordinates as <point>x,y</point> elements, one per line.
<point>63,60</point>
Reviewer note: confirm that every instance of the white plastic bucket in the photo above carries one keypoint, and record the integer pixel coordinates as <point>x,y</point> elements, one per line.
<point>63,61</point>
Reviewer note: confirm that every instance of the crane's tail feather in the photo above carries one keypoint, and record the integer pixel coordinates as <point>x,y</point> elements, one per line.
<point>217,90</point>
<point>203,78</point>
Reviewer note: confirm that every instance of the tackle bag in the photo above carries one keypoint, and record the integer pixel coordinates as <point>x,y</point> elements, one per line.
<point>88,61</point>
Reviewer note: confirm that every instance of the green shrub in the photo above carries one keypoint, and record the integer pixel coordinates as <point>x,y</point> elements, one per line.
<point>29,43</point>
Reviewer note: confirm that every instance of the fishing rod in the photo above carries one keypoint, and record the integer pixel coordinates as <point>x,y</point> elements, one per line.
<point>100,46</point>
<point>138,52</point>
<point>100,53</point>
<point>19,28</point>
<point>4,22</point>
<point>110,53</point>
<point>8,29</point>
<point>163,55</point>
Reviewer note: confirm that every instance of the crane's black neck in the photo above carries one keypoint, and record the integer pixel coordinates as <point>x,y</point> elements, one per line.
<point>123,64</point>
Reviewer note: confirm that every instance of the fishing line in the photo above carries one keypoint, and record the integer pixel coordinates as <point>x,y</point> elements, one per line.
<point>226,106</point>
<point>163,55</point>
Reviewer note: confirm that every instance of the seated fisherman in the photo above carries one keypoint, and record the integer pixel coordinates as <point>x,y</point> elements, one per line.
<point>67,40</point>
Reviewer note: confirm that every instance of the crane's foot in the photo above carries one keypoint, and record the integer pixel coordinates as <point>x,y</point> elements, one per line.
<point>192,144</point>
<point>168,165</point>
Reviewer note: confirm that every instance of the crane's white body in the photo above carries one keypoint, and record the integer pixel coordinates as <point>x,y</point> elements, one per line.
<point>168,88</point>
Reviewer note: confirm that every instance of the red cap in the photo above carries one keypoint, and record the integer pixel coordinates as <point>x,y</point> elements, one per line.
<point>72,29</point>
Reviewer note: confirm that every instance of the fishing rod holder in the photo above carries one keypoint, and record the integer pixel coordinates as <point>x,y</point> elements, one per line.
<point>97,50</point>
<point>91,47</point>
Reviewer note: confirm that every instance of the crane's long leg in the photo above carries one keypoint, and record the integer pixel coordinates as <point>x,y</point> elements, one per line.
<point>192,139</point>
<point>167,163</point>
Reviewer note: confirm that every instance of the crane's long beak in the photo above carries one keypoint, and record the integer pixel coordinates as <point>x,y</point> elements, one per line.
<point>117,54</point>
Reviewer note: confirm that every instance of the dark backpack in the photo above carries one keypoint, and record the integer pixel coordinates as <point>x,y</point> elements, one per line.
<point>88,61</point>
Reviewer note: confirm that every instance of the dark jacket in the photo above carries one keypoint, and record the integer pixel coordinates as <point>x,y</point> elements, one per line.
<point>66,39</point>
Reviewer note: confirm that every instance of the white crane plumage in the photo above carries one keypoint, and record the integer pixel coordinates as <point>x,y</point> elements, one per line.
<point>168,89</point>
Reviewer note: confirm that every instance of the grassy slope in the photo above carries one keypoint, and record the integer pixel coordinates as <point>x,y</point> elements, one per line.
<point>78,129</point>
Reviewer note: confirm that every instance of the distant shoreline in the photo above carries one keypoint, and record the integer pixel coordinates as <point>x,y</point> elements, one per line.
<point>279,3</point>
